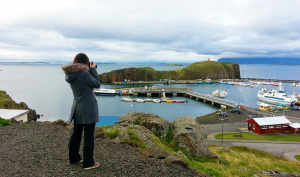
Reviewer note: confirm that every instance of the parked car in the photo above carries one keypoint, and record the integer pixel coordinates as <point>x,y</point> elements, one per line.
<point>223,114</point>
<point>296,108</point>
<point>237,111</point>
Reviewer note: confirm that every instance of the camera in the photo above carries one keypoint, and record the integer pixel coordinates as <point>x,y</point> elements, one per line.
<point>92,64</point>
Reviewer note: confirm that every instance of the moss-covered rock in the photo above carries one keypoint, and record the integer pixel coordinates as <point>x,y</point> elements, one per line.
<point>198,70</point>
<point>6,102</point>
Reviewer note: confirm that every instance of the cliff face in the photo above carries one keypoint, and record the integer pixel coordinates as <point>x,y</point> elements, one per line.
<point>199,70</point>
<point>6,102</point>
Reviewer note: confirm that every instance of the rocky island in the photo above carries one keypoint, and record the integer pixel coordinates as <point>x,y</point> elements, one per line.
<point>198,70</point>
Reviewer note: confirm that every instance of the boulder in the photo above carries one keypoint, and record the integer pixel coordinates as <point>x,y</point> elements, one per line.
<point>175,160</point>
<point>187,132</point>
<point>155,152</point>
<point>99,133</point>
<point>143,133</point>
<point>157,125</point>
<point>61,122</point>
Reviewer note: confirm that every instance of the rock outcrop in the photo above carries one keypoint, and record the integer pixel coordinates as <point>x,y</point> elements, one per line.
<point>198,70</point>
<point>188,132</point>
<point>6,102</point>
<point>157,125</point>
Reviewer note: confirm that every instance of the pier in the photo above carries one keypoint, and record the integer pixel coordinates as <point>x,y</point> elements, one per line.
<point>176,91</point>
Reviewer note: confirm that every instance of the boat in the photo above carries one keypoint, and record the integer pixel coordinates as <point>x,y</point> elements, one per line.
<point>156,100</point>
<point>207,81</point>
<point>216,93</point>
<point>103,91</point>
<point>128,99</point>
<point>280,89</point>
<point>208,95</point>
<point>222,82</point>
<point>140,101</point>
<point>170,101</point>
<point>294,84</point>
<point>223,94</point>
<point>297,95</point>
<point>275,84</point>
<point>275,97</point>
<point>180,101</point>
<point>148,100</point>
<point>230,83</point>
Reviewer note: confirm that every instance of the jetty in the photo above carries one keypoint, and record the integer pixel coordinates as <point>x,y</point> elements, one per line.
<point>176,91</point>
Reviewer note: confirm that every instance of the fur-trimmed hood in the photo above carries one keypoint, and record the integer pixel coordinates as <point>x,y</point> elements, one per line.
<point>71,68</point>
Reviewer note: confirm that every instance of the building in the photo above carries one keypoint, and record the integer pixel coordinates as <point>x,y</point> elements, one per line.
<point>295,128</point>
<point>19,115</point>
<point>268,125</point>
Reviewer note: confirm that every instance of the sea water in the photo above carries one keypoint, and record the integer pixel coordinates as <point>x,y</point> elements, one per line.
<point>44,89</point>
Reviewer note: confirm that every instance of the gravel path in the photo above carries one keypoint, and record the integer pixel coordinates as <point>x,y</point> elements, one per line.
<point>42,150</point>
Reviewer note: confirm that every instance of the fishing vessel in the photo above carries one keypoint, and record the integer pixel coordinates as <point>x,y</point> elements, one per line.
<point>206,81</point>
<point>103,91</point>
<point>275,97</point>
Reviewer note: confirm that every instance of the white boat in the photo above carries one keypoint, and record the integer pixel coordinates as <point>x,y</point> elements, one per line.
<point>140,101</point>
<point>216,93</point>
<point>148,100</point>
<point>294,84</point>
<point>156,100</point>
<point>223,94</point>
<point>280,89</point>
<point>105,92</point>
<point>297,95</point>
<point>275,97</point>
<point>128,99</point>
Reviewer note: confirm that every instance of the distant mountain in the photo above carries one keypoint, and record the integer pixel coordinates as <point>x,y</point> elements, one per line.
<point>284,61</point>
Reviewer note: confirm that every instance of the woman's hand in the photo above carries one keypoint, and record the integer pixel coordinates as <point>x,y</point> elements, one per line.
<point>93,65</point>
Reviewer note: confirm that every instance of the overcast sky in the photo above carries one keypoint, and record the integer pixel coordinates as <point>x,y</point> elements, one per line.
<point>144,31</point>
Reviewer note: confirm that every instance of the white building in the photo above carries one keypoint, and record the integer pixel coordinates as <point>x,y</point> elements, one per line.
<point>19,115</point>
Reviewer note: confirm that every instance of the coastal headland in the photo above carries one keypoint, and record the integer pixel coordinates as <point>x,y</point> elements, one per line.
<point>6,102</point>
<point>198,70</point>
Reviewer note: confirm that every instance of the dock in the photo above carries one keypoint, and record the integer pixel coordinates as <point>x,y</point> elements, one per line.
<point>176,91</point>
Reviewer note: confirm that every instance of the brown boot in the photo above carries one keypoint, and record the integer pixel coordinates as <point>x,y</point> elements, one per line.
<point>94,166</point>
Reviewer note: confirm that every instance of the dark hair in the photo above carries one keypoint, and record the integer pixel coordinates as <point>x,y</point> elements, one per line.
<point>81,58</point>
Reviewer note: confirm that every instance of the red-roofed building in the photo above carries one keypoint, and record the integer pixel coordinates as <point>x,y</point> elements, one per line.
<point>269,125</point>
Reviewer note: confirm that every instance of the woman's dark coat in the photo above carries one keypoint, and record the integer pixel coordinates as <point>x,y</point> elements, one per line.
<point>83,80</point>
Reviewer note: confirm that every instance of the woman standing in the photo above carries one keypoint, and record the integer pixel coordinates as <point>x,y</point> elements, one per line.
<point>83,78</point>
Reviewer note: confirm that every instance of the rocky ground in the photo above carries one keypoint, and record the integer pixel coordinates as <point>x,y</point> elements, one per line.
<point>40,149</point>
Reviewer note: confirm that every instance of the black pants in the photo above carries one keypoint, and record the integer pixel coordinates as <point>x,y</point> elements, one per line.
<point>88,147</point>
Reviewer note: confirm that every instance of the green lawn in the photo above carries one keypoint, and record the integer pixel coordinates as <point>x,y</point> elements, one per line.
<point>297,157</point>
<point>251,136</point>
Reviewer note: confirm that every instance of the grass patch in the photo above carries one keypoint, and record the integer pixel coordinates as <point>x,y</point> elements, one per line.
<point>137,122</point>
<point>111,132</point>
<point>4,122</point>
<point>242,162</point>
<point>104,126</point>
<point>251,136</point>
<point>135,140</point>
<point>297,157</point>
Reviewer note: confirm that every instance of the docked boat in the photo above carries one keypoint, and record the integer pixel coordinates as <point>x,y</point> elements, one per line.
<point>170,101</point>
<point>180,101</point>
<point>156,100</point>
<point>128,99</point>
<point>207,81</point>
<point>223,94</point>
<point>216,93</point>
<point>148,100</point>
<point>297,95</point>
<point>140,101</point>
<point>275,97</point>
<point>280,89</point>
<point>105,92</point>
<point>294,84</point>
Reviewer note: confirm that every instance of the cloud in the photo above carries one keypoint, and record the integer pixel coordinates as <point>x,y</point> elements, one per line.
<point>152,30</point>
